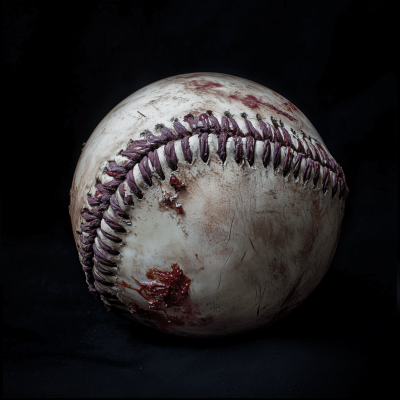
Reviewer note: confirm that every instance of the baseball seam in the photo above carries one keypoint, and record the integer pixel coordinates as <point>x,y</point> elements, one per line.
<point>133,169</point>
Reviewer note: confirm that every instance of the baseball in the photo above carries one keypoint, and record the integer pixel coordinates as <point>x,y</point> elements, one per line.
<point>204,205</point>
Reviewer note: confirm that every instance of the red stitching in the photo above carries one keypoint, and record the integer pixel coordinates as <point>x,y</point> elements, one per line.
<point>141,151</point>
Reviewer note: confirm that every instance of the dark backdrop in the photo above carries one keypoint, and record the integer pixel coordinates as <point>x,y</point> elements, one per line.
<point>66,64</point>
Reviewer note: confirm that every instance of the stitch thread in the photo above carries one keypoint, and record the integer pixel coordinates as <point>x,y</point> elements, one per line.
<point>144,152</point>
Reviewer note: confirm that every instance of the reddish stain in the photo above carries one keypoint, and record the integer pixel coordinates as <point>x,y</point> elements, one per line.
<point>179,209</point>
<point>278,111</point>
<point>186,117</point>
<point>168,292</point>
<point>203,84</point>
<point>169,289</point>
<point>254,103</point>
<point>113,174</point>
<point>248,100</point>
<point>127,285</point>
<point>289,106</point>
<point>197,256</point>
<point>176,183</point>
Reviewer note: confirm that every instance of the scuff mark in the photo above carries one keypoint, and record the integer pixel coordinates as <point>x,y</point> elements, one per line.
<point>259,302</point>
<point>230,230</point>
<point>252,245</point>
<point>219,283</point>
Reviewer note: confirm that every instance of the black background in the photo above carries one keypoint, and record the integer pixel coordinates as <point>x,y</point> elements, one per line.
<point>66,64</point>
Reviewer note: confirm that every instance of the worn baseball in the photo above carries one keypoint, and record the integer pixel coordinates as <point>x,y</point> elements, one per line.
<point>204,205</point>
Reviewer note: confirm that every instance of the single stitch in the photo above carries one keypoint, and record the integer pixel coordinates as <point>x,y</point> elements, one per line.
<point>238,149</point>
<point>307,170</point>
<point>297,165</point>
<point>110,237</point>
<point>187,152</point>
<point>266,153</point>
<point>316,172</point>
<point>288,161</point>
<point>249,155</point>
<point>277,155</point>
